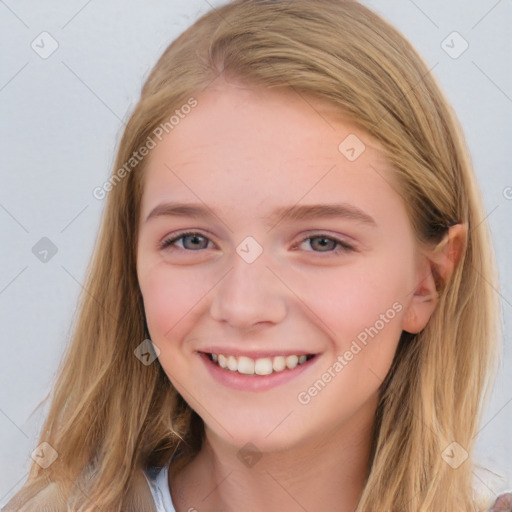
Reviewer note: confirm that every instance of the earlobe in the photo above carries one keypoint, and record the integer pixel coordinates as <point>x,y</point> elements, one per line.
<point>438,267</point>
<point>423,302</point>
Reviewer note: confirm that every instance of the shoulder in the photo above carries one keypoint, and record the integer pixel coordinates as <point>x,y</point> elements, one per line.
<point>503,503</point>
<point>37,496</point>
<point>42,495</point>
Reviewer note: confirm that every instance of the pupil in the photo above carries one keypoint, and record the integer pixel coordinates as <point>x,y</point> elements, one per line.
<point>324,241</point>
<point>195,239</point>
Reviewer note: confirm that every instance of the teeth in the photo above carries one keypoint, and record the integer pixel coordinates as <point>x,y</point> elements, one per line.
<point>261,366</point>
<point>279,363</point>
<point>245,365</point>
<point>292,362</point>
<point>232,364</point>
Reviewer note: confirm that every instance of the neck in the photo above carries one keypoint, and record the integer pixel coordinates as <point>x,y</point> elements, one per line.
<point>329,471</point>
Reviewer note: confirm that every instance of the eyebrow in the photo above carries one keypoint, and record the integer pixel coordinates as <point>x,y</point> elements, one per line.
<point>290,213</point>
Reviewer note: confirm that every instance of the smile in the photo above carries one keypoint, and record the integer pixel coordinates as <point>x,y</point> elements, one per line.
<point>261,366</point>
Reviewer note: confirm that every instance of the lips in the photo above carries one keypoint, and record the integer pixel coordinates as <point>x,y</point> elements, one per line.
<point>257,382</point>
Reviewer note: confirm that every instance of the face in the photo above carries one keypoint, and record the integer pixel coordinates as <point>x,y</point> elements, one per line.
<point>237,277</point>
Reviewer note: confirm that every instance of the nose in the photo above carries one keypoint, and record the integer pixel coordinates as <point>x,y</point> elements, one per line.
<point>249,294</point>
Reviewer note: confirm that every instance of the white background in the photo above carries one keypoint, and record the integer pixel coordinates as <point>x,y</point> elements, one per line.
<point>61,118</point>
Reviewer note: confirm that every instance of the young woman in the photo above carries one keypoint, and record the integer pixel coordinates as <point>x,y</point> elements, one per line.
<point>290,303</point>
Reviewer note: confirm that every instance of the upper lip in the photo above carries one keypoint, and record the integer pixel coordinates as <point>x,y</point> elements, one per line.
<point>255,354</point>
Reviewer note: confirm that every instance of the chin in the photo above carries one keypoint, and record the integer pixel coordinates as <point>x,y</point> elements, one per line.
<point>267,433</point>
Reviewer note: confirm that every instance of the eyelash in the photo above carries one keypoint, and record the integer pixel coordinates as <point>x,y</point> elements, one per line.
<point>343,247</point>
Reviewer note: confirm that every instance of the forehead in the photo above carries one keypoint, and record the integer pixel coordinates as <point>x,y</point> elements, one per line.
<point>257,118</point>
<point>247,146</point>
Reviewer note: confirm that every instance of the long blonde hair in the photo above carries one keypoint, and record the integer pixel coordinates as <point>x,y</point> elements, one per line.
<point>112,416</point>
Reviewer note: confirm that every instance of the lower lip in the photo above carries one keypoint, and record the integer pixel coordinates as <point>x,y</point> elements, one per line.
<point>254,382</point>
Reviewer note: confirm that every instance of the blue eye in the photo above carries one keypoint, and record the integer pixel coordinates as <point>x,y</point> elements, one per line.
<point>197,242</point>
<point>339,245</point>
<point>183,236</point>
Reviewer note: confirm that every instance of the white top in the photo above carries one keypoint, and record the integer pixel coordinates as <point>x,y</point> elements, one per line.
<point>158,480</point>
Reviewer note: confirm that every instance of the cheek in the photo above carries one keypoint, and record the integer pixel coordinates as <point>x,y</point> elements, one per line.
<point>169,299</point>
<point>351,299</point>
<point>361,308</point>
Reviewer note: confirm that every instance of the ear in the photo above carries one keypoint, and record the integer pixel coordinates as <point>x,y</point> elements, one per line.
<point>435,269</point>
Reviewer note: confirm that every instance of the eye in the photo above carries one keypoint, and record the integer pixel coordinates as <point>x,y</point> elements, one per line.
<point>196,241</point>
<point>189,236</point>
<point>339,246</point>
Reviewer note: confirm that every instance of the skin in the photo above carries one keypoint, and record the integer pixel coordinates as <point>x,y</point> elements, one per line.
<point>243,152</point>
